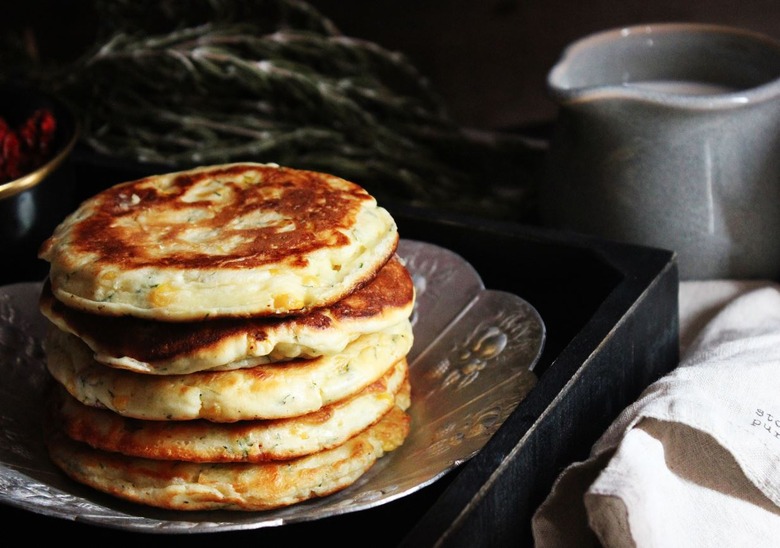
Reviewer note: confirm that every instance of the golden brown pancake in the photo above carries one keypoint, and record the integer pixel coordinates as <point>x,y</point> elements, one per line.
<point>280,390</point>
<point>179,485</point>
<point>167,348</point>
<point>242,441</point>
<point>240,239</point>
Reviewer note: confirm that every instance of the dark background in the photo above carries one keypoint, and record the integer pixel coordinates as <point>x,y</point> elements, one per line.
<point>487,58</point>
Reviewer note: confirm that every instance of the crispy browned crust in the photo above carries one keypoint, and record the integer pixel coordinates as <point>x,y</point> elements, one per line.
<point>153,342</point>
<point>321,213</point>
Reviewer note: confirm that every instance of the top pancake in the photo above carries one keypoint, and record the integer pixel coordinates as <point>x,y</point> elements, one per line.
<point>232,240</point>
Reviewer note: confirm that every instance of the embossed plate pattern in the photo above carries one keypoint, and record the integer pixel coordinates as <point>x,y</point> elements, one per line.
<point>471,364</point>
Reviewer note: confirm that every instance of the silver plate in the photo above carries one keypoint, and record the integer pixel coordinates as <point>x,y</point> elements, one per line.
<point>471,365</point>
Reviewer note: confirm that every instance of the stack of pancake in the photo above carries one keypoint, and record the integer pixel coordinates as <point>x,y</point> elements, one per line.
<point>227,337</point>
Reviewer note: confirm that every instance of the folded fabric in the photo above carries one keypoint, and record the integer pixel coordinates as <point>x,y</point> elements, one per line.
<point>695,461</point>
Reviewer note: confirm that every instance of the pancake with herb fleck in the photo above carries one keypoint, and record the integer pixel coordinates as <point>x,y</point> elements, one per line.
<point>168,348</point>
<point>179,485</point>
<point>285,389</point>
<point>242,441</point>
<point>231,240</point>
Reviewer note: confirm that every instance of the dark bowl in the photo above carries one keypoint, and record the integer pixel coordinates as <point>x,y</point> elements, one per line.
<point>32,205</point>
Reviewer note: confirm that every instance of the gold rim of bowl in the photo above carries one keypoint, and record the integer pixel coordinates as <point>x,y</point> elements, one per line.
<point>33,178</point>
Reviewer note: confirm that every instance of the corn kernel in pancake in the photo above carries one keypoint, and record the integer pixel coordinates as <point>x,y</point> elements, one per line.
<point>240,239</point>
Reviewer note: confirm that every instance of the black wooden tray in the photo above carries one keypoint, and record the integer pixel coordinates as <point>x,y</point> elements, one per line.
<point>611,314</point>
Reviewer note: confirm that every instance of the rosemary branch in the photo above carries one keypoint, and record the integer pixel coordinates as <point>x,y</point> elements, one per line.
<point>272,81</point>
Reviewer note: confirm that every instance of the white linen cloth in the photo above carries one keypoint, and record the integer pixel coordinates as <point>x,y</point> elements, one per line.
<point>695,461</point>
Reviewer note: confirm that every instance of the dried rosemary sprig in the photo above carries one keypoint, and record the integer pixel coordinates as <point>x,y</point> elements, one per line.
<point>192,82</point>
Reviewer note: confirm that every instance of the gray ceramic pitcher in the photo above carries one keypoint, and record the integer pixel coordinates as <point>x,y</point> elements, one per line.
<point>668,135</point>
